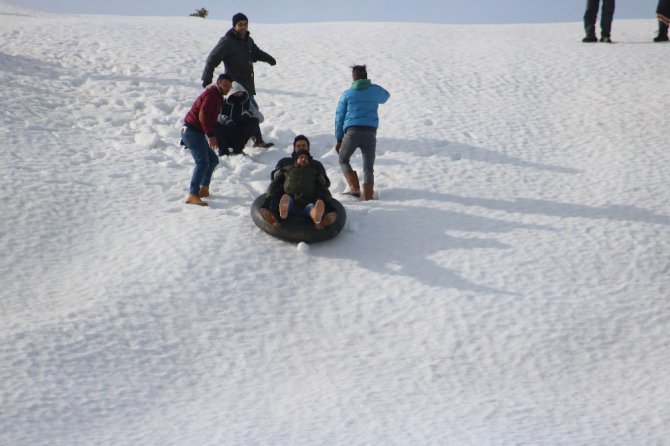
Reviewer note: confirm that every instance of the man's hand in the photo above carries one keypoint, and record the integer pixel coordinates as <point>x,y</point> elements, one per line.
<point>338,144</point>
<point>212,142</point>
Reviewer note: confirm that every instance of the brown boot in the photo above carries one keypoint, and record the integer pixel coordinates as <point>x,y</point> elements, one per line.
<point>204,191</point>
<point>327,220</point>
<point>354,185</point>
<point>368,191</point>
<point>316,214</point>
<point>284,204</point>
<point>194,199</point>
<point>268,217</point>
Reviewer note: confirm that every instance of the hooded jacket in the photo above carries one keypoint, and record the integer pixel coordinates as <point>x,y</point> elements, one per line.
<point>237,102</point>
<point>238,56</point>
<point>358,106</point>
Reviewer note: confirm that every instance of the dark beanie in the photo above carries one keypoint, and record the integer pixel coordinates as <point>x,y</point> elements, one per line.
<point>300,138</point>
<point>238,18</point>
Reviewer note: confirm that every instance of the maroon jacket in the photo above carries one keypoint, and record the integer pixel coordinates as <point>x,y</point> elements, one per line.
<point>209,105</point>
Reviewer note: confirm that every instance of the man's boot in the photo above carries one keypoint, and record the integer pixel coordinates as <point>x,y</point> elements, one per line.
<point>662,33</point>
<point>284,204</point>
<point>354,185</point>
<point>327,220</point>
<point>316,213</point>
<point>258,142</point>
<point>368,191</point>
<point>194,199</point>
<point>204,191</point>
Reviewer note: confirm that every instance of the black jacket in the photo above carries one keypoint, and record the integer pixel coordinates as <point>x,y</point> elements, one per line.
<point>238,56</point>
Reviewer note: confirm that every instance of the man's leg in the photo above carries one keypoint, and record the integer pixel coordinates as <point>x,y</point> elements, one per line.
<point>199,148</point>
<point>368,144</point>
<point>213,161</point>
<point>606,18</point>
<point>347,149</point>
<point>590,16</point>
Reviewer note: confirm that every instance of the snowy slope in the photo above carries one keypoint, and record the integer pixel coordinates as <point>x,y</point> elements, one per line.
<point>510,286</point>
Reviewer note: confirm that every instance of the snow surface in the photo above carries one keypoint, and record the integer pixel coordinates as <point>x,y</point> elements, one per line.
<point>509,287</point>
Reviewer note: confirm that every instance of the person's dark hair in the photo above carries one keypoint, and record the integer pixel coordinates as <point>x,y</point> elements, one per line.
<point>300,138</point>
<point>359,72</point>
<point>225,76</point>
<point>239,17</point>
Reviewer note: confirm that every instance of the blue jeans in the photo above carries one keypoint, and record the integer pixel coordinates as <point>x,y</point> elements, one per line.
<point>205,159</point>
<point>366,139</point>
<point>295,210</point>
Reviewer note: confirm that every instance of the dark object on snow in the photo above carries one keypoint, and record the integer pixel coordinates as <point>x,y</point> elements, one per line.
<point>296,228</point>
<point>202,12</point>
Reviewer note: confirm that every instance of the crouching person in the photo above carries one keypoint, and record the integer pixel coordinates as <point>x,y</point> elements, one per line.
<point>237,122</point>
<point>198,136</point>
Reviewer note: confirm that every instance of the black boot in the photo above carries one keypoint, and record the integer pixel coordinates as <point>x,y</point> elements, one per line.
<point>590,38</point>
<point>258,142</point>
<point>662,33</point>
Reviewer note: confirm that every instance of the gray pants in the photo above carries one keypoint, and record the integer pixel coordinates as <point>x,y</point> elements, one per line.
<point>366,139</point>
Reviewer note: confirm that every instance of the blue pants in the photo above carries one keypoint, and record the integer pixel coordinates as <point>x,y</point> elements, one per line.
<point>205,159</point>
<point>295,210</point>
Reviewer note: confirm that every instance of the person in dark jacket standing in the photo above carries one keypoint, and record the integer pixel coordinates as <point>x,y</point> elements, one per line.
<point>356,123</point>
<point>606,16</point>
<point>663,15</point>
<point>238,52</point>
<point>198,136</point>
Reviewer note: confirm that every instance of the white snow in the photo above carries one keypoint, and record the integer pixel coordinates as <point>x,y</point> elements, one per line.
<point>509,287</point>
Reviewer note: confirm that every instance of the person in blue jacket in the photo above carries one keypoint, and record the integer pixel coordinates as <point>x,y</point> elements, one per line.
<point>356,123</point>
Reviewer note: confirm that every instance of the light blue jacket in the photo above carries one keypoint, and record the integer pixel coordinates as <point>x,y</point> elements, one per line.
<point>358,106</point>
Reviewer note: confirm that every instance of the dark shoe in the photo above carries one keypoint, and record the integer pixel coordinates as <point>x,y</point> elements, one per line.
<point>258,142</point>
<point>606,39</point>
<point>590,38</point>
<point>284,205</point>
<point>661,38</point>
<point>268,217</point>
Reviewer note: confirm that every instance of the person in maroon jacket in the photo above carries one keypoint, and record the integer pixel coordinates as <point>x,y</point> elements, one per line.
<point>198,136</point>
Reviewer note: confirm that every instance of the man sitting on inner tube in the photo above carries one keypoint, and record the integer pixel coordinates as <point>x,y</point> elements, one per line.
<point>271,206</point>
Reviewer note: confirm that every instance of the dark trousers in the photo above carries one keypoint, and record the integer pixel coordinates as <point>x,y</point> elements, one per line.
<point>234,136</point>
<point>606,16</point>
